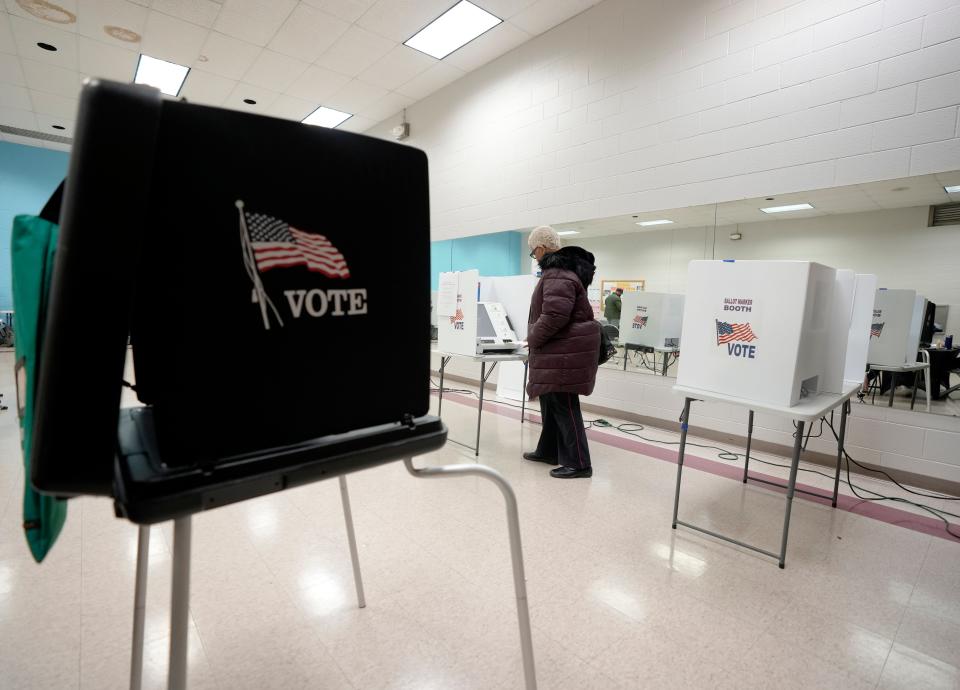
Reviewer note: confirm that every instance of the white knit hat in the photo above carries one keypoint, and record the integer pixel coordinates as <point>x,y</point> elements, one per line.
<point>544,236</point>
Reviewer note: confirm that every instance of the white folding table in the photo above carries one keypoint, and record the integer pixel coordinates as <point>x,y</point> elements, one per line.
<point>484,360</point>
<point>807,410</point>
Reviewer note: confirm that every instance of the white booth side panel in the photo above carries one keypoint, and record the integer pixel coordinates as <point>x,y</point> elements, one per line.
<point>858,342</point>
<point>890,327</point>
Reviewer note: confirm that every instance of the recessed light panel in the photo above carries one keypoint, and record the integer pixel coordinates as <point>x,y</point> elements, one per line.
<point>326,117</point>
<point>564,233</point>
<point>648,223</point>
<point>955,189</point>
<point>787,209</point>
<point>166,76</point>
<point>454,28</point>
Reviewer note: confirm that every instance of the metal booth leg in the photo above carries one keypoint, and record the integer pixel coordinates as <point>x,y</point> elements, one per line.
<point>844,410</point>
<point>523,394</point>
<point>916,382</point>
<point>180,604</point>
<point>139,607</point>
<point>516,550</point>
<point>893,387</point>
<point>484,375</point>
<point>443,366</point>
<point>791,487</point>
<point>352,540</point>
<point>684,423</point>
<point>746,463</point>
<point>666,357</point>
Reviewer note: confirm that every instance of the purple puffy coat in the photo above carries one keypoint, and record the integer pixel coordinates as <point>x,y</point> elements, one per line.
<point>563,335</point>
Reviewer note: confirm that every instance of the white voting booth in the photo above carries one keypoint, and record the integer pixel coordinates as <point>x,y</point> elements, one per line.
<point>761,330</point>
<point>895,327</point>
<point>514,293</point>
<point>651,319</point>
<point>457,301</point>
<point>858,343</point>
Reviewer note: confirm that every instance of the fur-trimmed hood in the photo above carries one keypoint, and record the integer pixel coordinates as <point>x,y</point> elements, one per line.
<point>576,259</point>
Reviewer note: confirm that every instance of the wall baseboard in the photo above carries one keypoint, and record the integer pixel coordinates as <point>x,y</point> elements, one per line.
<point>737,442</point>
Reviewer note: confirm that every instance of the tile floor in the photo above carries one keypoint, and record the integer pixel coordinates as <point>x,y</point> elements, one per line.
<point>618,599</point>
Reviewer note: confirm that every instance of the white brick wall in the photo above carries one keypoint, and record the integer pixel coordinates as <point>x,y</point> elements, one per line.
<point>635,106</point>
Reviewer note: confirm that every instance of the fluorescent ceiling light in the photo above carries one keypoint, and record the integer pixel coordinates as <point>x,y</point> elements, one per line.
<point>648,223</point>
<point>955,189</point>
<point>454,28</point>
<point>568,232</point>
<point>326,117</point>
<point>166,76</point>
<point>787,209</point>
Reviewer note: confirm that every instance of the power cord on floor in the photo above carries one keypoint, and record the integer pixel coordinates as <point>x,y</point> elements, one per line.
<point>632,429</point>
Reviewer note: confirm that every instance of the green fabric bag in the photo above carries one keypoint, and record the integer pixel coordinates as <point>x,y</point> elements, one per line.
<point>34,245</point>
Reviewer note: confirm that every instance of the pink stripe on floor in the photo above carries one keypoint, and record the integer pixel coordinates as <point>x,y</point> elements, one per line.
<point>870,509</point>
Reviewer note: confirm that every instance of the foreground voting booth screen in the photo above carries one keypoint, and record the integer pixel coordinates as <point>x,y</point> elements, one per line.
<point>858,343</point>
<point>895,327</point>
<point>758,330</point>
<point>651,319</point>
<point>241,255</point>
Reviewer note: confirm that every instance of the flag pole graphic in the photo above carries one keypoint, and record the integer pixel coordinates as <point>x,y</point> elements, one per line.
<point>250,263</point>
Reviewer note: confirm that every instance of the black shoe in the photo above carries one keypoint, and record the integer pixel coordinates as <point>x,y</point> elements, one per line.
<point>571,472</point>
<point>539,458</point>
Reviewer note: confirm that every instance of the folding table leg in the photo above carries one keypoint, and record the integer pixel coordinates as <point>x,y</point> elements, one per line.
<point>516,549</point>
<point>139,607</point>
<point>352,539</point>
<point>746,462</point>
<point>844,410</point>
<point>791,487</point>
<point>684,423</point>
<point>180,604</point>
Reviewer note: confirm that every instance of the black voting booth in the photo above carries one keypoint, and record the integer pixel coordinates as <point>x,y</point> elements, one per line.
<point>250,261</point>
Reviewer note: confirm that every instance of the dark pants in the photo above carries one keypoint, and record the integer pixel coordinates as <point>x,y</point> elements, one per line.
<point>563,437</point>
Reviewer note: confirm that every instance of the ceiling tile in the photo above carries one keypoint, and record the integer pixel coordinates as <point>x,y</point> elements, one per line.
<point>14,117</point>
<point>254,21</point>
<point>16,97</point>
<point>274,71</point>
<point>401,19</point>
<point>7,44</point>
<point>10,70</point>
<point>397,67</point>
<point>206,88</point>
<point>51,104</point>
<point>355,96</point>
<point>96,59</point>
<point>62,14</point>
<point>504,8</point>
<point>172,39</point>
<point>389,105</point>
<point>290,108</point>
<point>52,79</point>
<point>546,14</point>
<point>28,33</point>
<point>201,12</point>
<point>45,124</point>
<point>264,98</point>
<point>347,10</point>
<point>317,84</point>
<point>499,40</point>
<point>355,51</point>
<point>356,124</point>
<point>227,56</point>
<point>105,21</point>
<point>307,33</point>
<point>431,80</point>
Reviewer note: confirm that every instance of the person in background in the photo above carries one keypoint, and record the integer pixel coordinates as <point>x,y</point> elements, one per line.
<point>564,341</point>
<point>612,306</point>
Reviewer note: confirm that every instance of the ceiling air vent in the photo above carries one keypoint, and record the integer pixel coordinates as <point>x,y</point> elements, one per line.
<point>944,214</point>
<point>32,134</point>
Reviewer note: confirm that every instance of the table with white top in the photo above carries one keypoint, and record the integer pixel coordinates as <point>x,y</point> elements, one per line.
<point>484,360</point>
<point>808,410</point>
<point>893,369</point>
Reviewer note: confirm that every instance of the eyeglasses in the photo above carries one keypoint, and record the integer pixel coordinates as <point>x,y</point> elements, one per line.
<point>533,254</point>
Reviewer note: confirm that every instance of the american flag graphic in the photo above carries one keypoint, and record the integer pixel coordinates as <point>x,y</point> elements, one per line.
<point>458,316</point>
<point>640,321</point>
<point>876,329</point>
<point>279,245</point>
<point>728,332</point>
